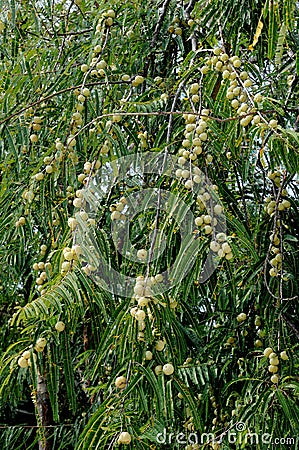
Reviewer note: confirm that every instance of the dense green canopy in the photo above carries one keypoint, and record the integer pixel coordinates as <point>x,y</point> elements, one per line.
<point>149,224</point>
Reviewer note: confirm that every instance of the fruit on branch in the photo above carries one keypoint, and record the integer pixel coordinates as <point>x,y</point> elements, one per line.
<point>124,438</point>
<point>59,326</point>
<point>168,369</point>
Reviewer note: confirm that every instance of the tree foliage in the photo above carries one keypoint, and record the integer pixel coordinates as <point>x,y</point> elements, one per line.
<point>213,85</point>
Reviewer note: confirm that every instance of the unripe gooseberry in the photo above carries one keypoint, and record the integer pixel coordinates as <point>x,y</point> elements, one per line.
<point>124,437</point>
<point>139,79</point>
<point>148,355</point>
<point>109,21</point>
<point>214,246</point>
<point>158,370</point>
<point>121,382</point>
<point>22,362</point>
<point>241,317</point>
<point>39,176</point>
<point>274,379</point>
<point>60,326</point>
<point>272,368</point>
<point>26,354</point>
<point>33,138</point>
<point>268,351</point>
<point>168,369</point>
<point>160,345</point>
<point>273,123</point>
<point>84,68</point>
<point>274,361</point>
<point>140,315</point>
<point>142,254</point>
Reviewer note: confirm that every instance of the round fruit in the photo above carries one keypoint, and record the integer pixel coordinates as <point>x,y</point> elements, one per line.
<point>139,79</point>
<point>273,123</point>
<point>121,382</point>
<point>160,345</point>
<point>159,278</point>
<point>284,355</point>
<point>140,315</point>
<point>39,176</point>
<point>41,342</point>
<point>143,301</point>
<point>124,438</point>
<point>148,355</point>
<point>84,68</point>
<point>274,361</point>
<point>198,221</point>
<point>60,326</point>
<point>142,254</point>
<point>273,369</point>
<point>168,369</point>
<point>274,379</point>
<point>241,317</point>
<point>22,362</point>
<point>214,246</point>
<point>26,354</point>
<point>33,138</point>
<point>158,370</point>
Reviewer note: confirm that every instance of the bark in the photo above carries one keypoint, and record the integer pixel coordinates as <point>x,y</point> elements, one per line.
<point>44,413</point>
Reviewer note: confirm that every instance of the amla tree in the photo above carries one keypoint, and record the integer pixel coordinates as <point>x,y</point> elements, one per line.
<point>149,224</point>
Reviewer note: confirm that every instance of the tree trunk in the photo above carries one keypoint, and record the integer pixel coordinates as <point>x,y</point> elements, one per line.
<point>44,413</point>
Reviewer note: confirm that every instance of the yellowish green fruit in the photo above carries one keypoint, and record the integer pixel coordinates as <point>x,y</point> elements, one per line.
<point>60,326</point>
<point>168,369</point>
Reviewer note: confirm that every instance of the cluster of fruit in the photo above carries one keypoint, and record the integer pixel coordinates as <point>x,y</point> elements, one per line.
<point>25,360</point>
<point>195,134</point>
<point>243,101</point>
<point>97,66</point>
<point>270,205</point>
<point>20,222</point>
<point>36,126</point>
<point>221,246</point>
<point>143,295</point>
<point>44,273</point>
<point>70,256</point>
<point>178,25</point>
<point>274,362</point>
<point>116,209</point>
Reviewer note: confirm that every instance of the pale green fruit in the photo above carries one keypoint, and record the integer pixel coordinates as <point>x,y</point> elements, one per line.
<point>60,326</point>
<point>148,355</point>
<point>241,317</point>
<point>121,382</point>
<point>160,345</point>
<point>168,369</point>
<point>274,361</point>
<point>140,315</point>
<point>41,342</point>
<point>26,354</point>
<point>23,362</point>
<point>158,370</point>
<point>274,379</point>
<point>124,438</point>
<point>142,254</point>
